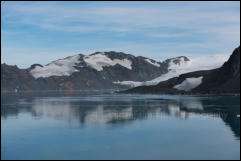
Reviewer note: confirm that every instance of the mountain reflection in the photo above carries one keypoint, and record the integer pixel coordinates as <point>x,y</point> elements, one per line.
<point>107,109</point>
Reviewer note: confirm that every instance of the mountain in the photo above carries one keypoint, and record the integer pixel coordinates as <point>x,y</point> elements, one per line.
<point>225,79</point>
<point>99,70</point>
<point>112,66</point>
<point>12,77</point>
<point>182,65</point>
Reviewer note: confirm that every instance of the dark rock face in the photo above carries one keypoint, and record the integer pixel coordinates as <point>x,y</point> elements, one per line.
<point>86,77</point>
<point>225,79</point>
<point>222,80</point>
<point>14,78</point>
<point>35,65</point>
<point>177,60</point>
<point>141,71</point>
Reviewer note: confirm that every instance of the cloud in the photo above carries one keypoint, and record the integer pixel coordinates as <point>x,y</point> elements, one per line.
<point>166,35</point>
<point>156,29</point>
<point>69,16</point>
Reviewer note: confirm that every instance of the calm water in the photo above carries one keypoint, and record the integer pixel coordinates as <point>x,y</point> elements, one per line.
<point>101,125</point>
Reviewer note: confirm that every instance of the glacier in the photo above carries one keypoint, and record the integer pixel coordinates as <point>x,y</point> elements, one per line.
<point>205,62</point>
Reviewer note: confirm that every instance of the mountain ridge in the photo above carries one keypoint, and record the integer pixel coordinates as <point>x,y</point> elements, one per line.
<point>99,70</point>
<point>225,79</point>
<point>95,71</point>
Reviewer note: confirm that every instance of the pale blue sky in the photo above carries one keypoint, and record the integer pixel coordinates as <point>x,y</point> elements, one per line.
<point>40,32</point>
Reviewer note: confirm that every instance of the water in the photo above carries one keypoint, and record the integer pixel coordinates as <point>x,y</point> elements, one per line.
<point>101,125</point>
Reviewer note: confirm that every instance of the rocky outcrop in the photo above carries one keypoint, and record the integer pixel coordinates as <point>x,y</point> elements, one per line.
<point>13,78</point>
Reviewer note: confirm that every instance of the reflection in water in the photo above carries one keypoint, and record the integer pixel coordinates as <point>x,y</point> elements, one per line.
<point>104,108</point>
<point>174,109</point>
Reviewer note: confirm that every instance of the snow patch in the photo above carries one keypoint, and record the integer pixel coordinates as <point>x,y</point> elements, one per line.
<point>129,83</point>
<point>189,83</point>
<point>62,67</point>
<point>98,61</point>
<point>152,63</point>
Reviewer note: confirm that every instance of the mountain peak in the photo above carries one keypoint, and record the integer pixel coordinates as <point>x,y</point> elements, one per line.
<point>232,66</point>
<point>177,61</point>
<point>108,53</point>
<point>35,65</point>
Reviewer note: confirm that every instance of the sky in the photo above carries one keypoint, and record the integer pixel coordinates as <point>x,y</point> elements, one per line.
<point>41,32</point>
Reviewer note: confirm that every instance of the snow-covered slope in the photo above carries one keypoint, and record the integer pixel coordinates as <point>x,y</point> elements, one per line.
<point>100,60</point>
<point>153,62</point>
<point>189,83</point>
<point>221,80</point>
<point>127,66</point>
<point>66,66</point>
<point>180,65</point>
<point>135,71</point>
<point>62,67</point>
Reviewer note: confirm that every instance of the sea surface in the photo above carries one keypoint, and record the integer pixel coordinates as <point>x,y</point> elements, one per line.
<point>104,125</point>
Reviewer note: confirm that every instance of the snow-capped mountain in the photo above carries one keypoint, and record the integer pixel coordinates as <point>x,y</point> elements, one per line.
<point>62,67</point>
<point>99,62</point>
<point>225,79</point>
<point>95,71</point>
<point>182,65</point>
<point>101,70</point>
